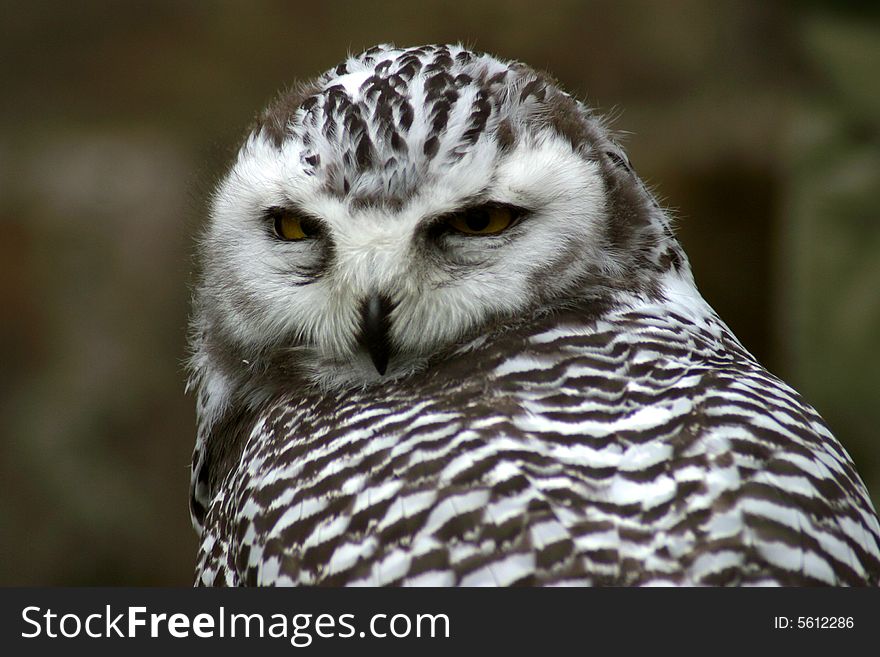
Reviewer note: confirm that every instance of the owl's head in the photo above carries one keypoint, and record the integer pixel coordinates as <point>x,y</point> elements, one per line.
<point>402,204</point>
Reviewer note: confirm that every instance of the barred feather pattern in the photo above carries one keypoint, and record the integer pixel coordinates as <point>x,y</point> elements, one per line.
<point>387,401</point>
<point>639,445</point>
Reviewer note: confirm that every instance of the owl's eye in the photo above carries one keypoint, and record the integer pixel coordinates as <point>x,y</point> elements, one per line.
<point>290,227</point>
<point>483,220</point>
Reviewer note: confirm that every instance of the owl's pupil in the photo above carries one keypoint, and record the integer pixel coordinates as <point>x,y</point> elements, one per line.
<point>477,220</point>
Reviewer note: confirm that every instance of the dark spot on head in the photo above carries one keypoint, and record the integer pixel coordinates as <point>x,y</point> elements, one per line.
<point>383,113</point>
<point>504,135</point>
<point>536,88</point>
<point>478,118</point>
<point>436,84</point>
<point>398,143</point>
<point>441,116</point>
<point>353,122</point>
<point>410,60</point>
<point>432,145</point>
<point>372,85</point>
<point>364,153</point>
<point>498,78</point>
<point>408,71</point>
<point>443,59</point>
<point>309,103</point>
<point>334,94</point>
<point>406,115</point>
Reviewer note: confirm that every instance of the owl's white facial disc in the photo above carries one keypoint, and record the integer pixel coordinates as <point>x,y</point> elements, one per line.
<point>310,292</point>
<point>380,155</point>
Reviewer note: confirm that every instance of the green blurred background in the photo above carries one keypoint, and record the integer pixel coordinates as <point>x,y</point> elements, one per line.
<point>758,123</point>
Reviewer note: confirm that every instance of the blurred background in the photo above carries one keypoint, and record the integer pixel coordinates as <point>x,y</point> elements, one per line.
<point>757,123</point>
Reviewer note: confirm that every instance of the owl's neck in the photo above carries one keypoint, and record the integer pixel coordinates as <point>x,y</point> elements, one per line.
<point>243,381</point>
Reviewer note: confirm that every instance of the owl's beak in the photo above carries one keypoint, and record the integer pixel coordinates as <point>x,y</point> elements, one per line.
<point>375,329</point>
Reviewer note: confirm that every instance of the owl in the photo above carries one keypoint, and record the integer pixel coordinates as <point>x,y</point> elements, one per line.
<point>444,335</point>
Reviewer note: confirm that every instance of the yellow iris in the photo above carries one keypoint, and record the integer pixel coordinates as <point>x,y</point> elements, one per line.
<point>482,220</point>
<point>290,227</point>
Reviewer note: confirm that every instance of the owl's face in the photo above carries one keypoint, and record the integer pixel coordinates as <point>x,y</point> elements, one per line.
<point>404,203</point>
